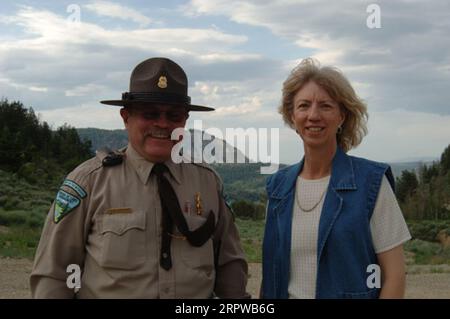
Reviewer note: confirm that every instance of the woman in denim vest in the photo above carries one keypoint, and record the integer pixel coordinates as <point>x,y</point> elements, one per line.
<point>333,228</point>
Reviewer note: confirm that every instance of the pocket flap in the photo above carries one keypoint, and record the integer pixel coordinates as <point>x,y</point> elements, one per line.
<point>121,223</point>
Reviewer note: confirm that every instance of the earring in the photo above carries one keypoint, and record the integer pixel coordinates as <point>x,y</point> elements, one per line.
<point>339,130</point>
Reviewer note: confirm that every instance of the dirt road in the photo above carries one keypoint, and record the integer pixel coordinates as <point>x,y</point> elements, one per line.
<point>422,281</point>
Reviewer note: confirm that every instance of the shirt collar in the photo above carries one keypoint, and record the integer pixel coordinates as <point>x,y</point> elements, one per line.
<point>144,167</point>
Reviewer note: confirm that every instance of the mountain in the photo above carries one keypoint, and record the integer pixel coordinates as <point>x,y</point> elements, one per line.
<point>399,167</point>
<point>116,139</point>
<point>113,139</point>
<point>241,180</point>
<point>425,159</point>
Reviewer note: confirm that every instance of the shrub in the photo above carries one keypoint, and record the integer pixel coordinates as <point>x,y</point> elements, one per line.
<point>35,221</point>
<point>251,233</point>
<point>248,210</point>
<point>19,242</point>
<point>422,250</point>
<point>11,203</point>
<point>13,217</point>
<point>428,229</point>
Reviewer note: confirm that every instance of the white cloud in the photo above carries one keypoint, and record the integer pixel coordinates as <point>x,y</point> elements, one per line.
<point>403,55</point>
<point>86,115</point>
<point>83,90</point>
<point>401,70</point>
<point>249,105</point>
<point>115,10</point>
<point>228,57</point>
<point>38,89</point>
<point>232,98</point>
<point>48,30</point>
<point>68,59</point>
<point>19,86</point>
<point>400,134</point>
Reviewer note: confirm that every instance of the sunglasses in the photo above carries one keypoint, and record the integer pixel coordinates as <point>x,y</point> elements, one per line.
<point>174,116</point>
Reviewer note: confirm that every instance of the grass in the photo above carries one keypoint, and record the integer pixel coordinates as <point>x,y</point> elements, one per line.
<point>251,233</point>
<point>23,208</point>
<point>19,241</point>
<point>435,270</point>
<point>428,229</point>
<point>427,253</point>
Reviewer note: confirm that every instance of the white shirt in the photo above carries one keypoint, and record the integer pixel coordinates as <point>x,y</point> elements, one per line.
<point>387,226</point>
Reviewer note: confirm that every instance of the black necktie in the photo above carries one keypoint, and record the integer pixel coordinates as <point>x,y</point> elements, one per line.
<point>172,214</point>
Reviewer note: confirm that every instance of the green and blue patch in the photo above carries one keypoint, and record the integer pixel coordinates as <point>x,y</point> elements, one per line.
<point>64,204</point>
<point>77,188</point>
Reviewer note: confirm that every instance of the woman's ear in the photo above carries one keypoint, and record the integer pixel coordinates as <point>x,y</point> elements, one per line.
<point>343,115</point>
<point>292,119</point>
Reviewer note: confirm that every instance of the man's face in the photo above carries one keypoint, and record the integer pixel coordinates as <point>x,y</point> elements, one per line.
<point>150,128</point>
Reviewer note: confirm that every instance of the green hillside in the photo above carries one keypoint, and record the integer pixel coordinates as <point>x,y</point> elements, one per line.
<point>425,193</point>
<point>34,160</point>
<point>241,181</point>
<point>113,139</point>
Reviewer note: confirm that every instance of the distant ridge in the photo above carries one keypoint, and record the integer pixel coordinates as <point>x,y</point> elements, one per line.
<point>116,139</point>
<point>241,181</point>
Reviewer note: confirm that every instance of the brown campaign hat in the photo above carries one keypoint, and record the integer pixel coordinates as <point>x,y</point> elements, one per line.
<point>158,81</point>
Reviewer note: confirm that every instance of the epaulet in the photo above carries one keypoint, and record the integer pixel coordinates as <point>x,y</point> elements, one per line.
<point>109,157</point>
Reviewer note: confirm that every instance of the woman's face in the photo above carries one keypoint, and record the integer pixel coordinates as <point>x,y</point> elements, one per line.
<point>316,117</point>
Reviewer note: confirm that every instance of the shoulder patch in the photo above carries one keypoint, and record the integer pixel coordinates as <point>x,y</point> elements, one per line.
<point>77,188</point>
<point>64,204</point>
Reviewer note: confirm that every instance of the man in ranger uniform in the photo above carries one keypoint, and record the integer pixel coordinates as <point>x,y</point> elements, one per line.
<point>137,224</point>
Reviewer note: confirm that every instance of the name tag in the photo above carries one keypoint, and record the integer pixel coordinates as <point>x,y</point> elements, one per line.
<point>121,210</point>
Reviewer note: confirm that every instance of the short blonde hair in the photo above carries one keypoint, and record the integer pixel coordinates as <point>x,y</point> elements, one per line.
<point>338,88</point>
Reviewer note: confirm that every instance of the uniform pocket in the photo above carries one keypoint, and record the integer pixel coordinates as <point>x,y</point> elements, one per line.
<point>199,258</point>
<point>123,240</point>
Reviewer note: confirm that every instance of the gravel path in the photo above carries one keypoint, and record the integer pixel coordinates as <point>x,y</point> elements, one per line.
<point>14,278</point>
<point>422,281</point>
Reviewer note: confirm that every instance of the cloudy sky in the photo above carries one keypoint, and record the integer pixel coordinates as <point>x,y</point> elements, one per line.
<point>237,55</point>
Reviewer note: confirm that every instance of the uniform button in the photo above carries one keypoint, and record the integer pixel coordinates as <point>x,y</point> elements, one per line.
<point>164,255</point>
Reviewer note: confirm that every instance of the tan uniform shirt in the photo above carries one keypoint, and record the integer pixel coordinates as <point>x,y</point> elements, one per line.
<point>114,235</point>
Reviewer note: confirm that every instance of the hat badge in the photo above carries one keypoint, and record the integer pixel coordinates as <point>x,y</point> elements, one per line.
<point>162,82</point>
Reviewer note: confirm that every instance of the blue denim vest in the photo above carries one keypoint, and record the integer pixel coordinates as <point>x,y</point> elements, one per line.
<point>344,247</point>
